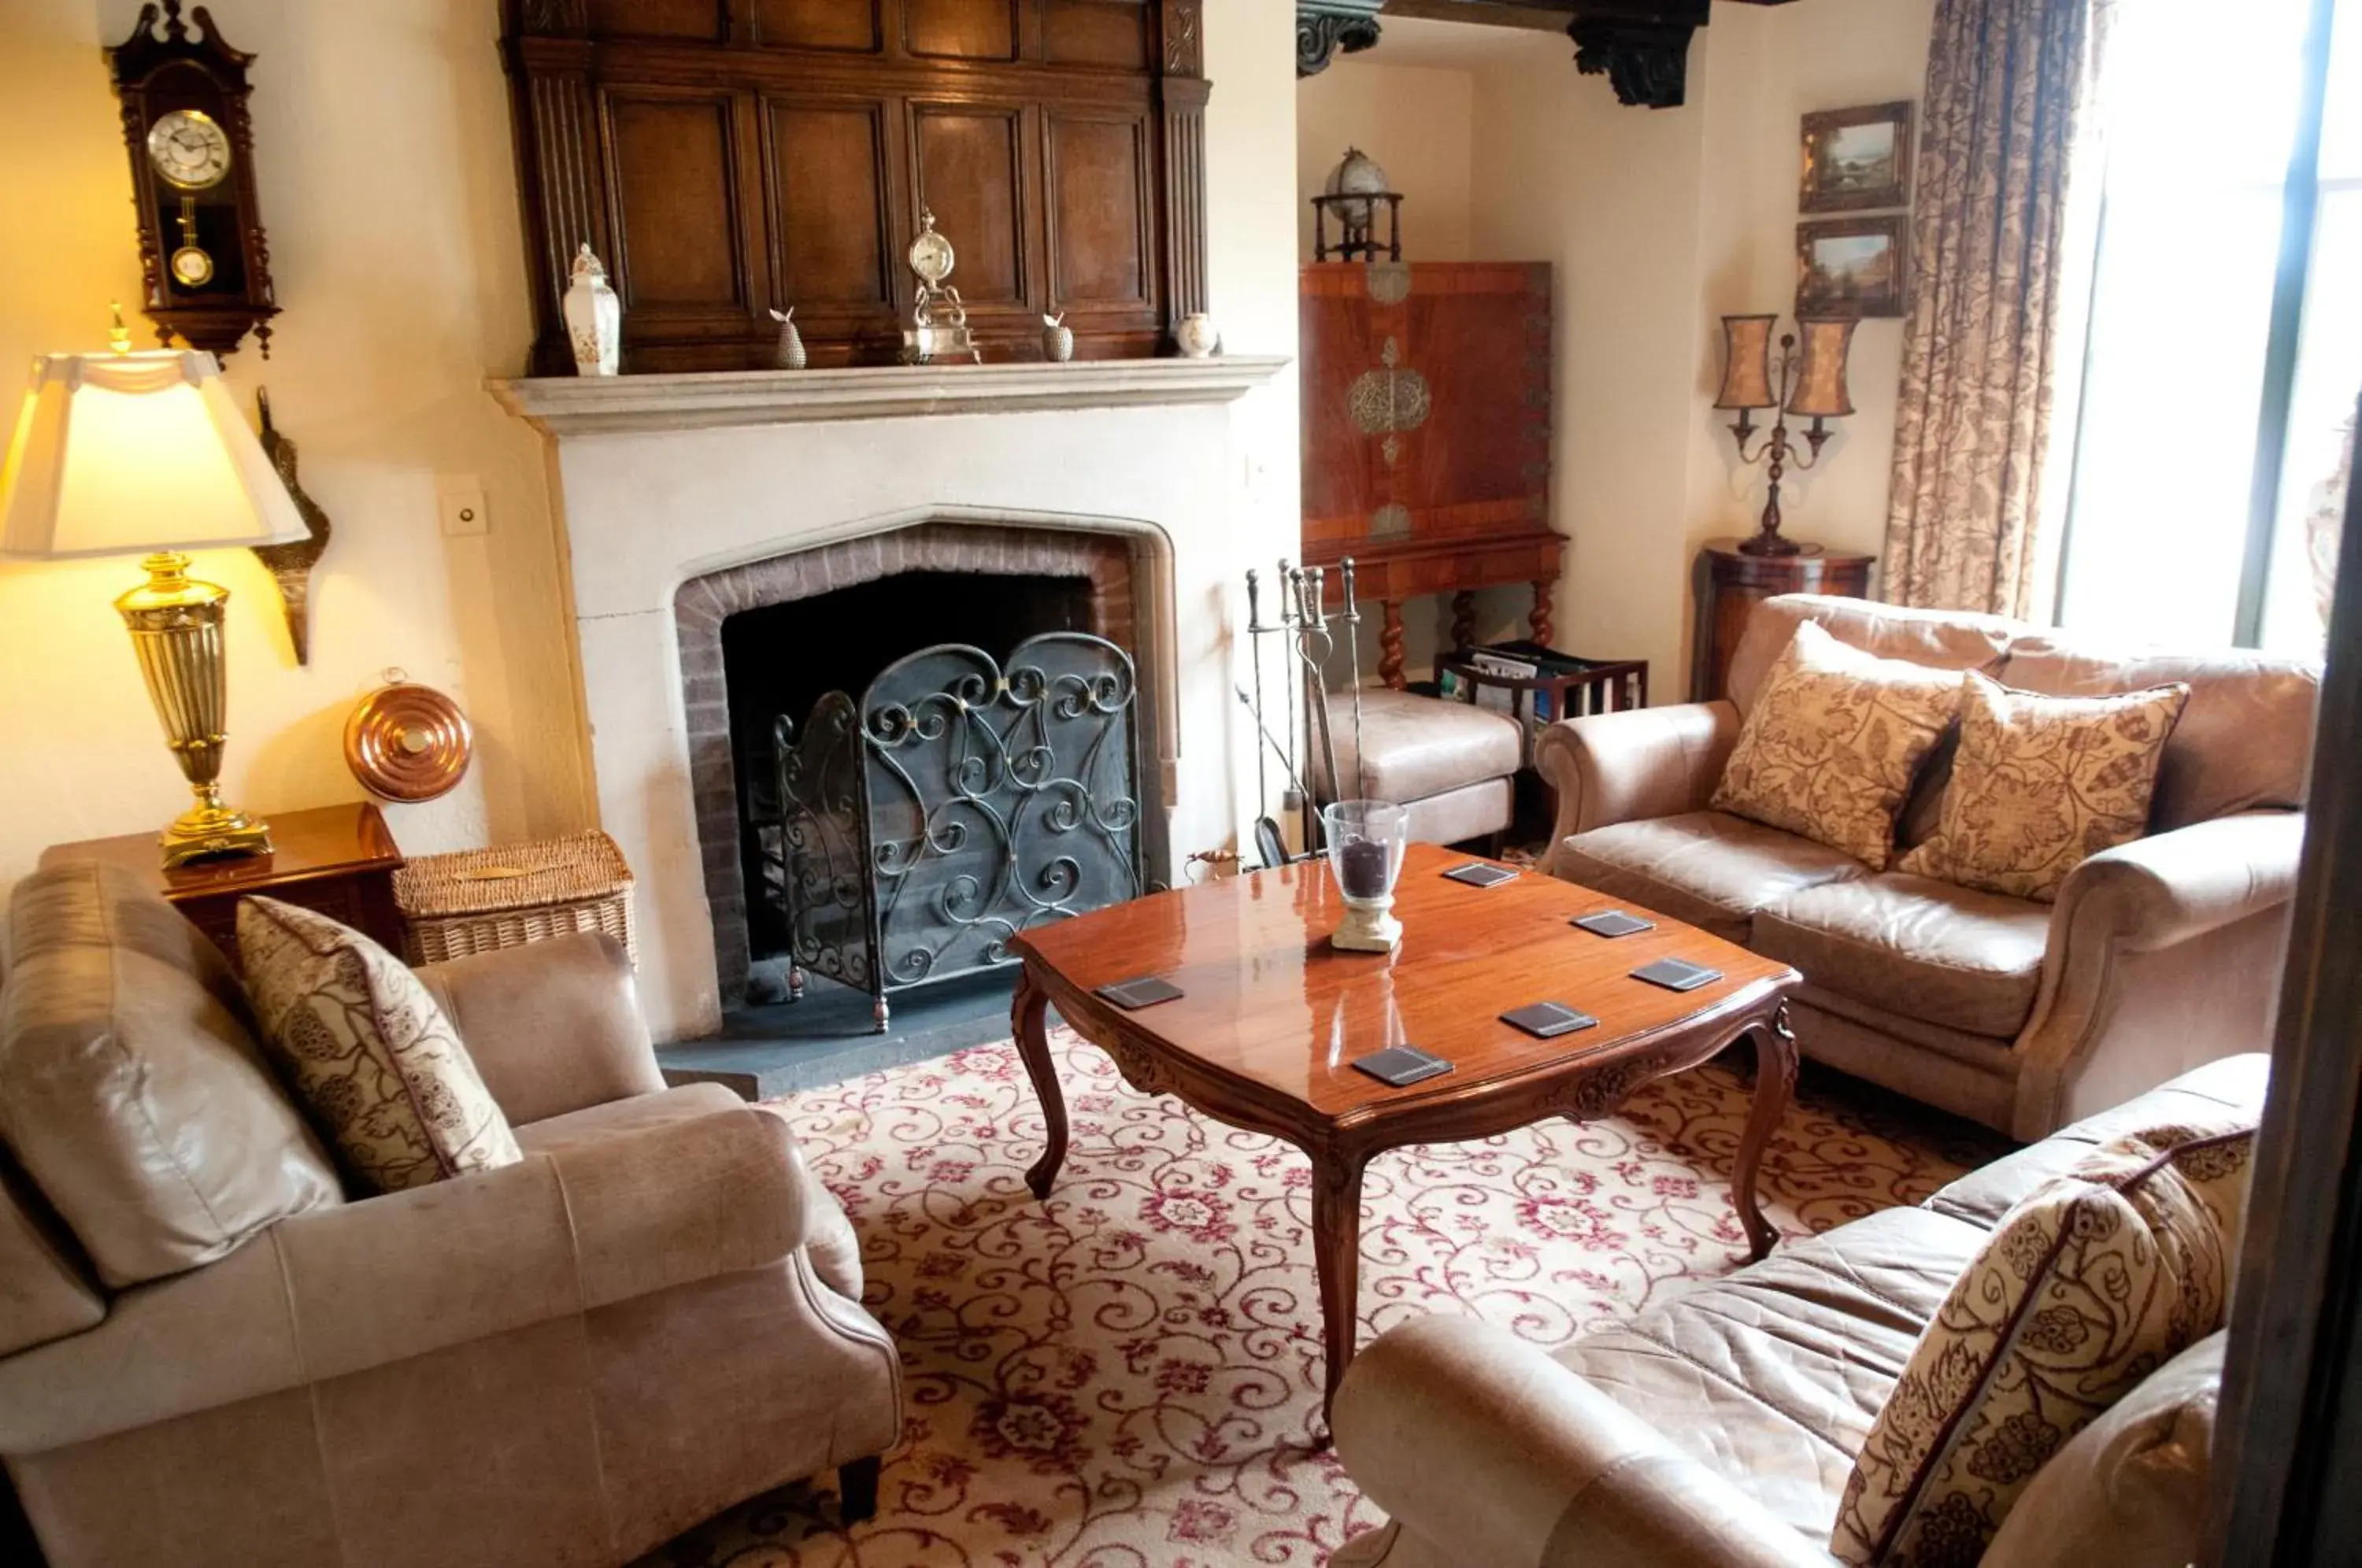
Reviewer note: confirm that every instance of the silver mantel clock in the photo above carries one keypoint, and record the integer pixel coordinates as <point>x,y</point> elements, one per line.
<point>938,328</point>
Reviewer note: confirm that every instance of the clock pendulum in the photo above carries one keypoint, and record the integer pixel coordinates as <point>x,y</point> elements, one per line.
<point>192,268</point>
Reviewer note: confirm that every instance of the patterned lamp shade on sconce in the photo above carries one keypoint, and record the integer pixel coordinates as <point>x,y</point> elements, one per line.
<point>1747,363</point>
<point>1820,392</point>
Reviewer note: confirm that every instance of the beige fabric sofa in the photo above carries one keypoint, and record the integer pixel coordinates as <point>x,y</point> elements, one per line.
<point>2157,956</point>
<point>564,1361</point>
<point>1717,1430</point>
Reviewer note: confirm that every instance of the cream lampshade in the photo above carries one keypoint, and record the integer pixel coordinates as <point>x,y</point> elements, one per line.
<point>1820,392</point>
<point>1747,363</point>
<point>146,454</point>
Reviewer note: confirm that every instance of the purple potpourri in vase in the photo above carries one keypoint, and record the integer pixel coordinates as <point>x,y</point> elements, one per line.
<point>1367,842</point>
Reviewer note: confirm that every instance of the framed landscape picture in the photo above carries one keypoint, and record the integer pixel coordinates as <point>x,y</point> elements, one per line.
<point>1852,266</point>
<point>1857,160</point>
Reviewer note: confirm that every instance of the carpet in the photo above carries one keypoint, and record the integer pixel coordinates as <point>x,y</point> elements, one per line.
<point>1129,1375</point>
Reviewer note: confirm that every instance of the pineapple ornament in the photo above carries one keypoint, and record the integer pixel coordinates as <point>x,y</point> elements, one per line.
<point>1057,338</point>
<point>790,354</point>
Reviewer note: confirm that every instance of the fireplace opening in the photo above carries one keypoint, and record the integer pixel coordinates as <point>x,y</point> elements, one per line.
<point>780,658</point>
<point>925,765</point>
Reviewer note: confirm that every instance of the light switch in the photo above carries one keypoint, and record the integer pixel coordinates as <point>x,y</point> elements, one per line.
<point>461,500</point>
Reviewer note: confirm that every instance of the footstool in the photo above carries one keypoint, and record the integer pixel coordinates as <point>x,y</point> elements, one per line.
<point>1451,763</point>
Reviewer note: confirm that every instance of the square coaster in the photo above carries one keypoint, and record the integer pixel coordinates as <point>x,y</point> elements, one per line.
<point>1476,874</point>
<point>1146,991</point>
<point>1677,974</point>
<point>1549,1020</point>
<point>1401,1065</point>
<point>1614,923</point>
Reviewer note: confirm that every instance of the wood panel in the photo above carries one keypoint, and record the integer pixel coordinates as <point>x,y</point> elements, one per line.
<point>700,20</point>
<point>960,29</point>
<point>829,162</point>
<point>1108,33</point>
<point>677,244</point>
<point>835,25</point>
<point>1098,211</point>
<point>969,172</point>
<point>725,159</point>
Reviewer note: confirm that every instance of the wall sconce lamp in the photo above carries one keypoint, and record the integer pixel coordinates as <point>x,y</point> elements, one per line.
<point>131,454</point>
<point>1811,385</point>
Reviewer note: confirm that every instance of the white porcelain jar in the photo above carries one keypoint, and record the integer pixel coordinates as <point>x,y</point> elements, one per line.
<point>594,319</point>
<point>1196,337</point>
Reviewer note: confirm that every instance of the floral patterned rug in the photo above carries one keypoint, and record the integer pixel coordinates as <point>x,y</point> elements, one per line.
<point>1129,1375</point>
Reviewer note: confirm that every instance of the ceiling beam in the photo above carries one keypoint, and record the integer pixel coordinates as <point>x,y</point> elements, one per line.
<point>1642,46</point>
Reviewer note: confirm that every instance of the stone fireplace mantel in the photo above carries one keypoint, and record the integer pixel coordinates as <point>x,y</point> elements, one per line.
<point>665,480</point>
<point>584,406</point>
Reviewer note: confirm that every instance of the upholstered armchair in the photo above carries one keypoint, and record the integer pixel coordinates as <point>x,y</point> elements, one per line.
<point>2157,956</point>
<point>566,1360</point>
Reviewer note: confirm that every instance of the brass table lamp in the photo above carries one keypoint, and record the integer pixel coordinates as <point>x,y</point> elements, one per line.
<point>123,454</point>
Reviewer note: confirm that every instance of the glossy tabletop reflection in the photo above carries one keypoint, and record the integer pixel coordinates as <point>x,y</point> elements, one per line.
<point>1269,1003</point>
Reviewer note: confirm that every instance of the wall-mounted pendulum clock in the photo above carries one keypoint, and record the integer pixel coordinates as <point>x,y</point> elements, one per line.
<point>206,264</point>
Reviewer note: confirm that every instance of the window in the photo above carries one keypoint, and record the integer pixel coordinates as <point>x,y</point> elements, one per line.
<point>2224,359</point>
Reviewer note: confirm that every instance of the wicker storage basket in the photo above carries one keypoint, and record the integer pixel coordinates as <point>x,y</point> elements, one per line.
<point>478,900</point>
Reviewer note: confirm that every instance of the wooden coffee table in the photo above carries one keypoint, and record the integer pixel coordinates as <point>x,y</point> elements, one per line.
<point>1272,1020</point>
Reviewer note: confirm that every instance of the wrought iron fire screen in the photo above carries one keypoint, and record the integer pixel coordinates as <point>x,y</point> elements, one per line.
<point>953,806</point>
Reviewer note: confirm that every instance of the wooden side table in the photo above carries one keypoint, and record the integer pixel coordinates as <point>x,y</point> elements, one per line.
<point>1730,585</point>
<point>340,860</point>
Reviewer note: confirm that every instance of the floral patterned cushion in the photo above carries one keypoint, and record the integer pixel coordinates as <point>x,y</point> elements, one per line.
<point>2095,1280</point>
<point>2040,784</point>
<point>1830,749</point>
<point>375,1060</point>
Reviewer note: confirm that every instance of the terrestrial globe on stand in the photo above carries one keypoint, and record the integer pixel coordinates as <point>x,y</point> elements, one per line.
<point>1356,189</point>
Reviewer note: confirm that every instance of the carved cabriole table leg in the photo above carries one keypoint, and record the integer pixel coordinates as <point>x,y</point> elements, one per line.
<point>1464,619</point>
<point>1028,1018</point>
<point>1390,647</point>
<point>1775,1085</point>
<point>1541,612</point>
<point>1337,1256</point>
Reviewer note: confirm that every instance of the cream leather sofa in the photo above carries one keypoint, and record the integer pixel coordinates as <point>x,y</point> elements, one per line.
<point>567,1360</point>
<point>1718,1431</point>
<point>2158,956</point>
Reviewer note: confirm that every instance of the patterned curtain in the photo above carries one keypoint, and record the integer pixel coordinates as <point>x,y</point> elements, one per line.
<point>2006,84</point>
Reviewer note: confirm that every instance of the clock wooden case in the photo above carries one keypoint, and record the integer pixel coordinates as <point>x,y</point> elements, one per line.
<point>724,157</point>
<point>206,265</point>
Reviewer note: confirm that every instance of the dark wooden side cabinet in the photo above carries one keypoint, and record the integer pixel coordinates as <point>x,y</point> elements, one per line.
<point>727,157</point>
<point>1730,585</point>
<point>340,860</point>
<point>1426,435</point>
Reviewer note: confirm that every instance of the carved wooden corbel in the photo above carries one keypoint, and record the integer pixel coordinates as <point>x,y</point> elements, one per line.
<point>1326,29</point>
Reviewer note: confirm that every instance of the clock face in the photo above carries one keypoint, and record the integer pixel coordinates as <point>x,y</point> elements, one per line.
<point>931,257</point>
<point>189,149</point>
<point>192,268</point>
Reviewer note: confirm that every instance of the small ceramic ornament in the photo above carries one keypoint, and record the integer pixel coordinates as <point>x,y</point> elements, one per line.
<point>790,354</point>
<point>1057,338</point>
<point>1196,337</point>
<point>594,319</point>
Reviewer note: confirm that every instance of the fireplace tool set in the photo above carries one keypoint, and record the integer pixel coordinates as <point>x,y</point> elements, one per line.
<point>1303,627</point>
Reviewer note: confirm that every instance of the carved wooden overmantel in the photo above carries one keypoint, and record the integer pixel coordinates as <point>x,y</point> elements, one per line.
<point>727,157</point>
<point>1642,46</point>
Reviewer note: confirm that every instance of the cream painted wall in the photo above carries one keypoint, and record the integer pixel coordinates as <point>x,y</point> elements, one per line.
<point>387,181</point>
<point>1416,121</point>
<point>1659,224</point>
<point>383,159</point>
<point>1609,196</point>
<point>1771,68</point>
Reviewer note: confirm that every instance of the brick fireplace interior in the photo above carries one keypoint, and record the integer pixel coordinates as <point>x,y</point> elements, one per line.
<point>769,638</point>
